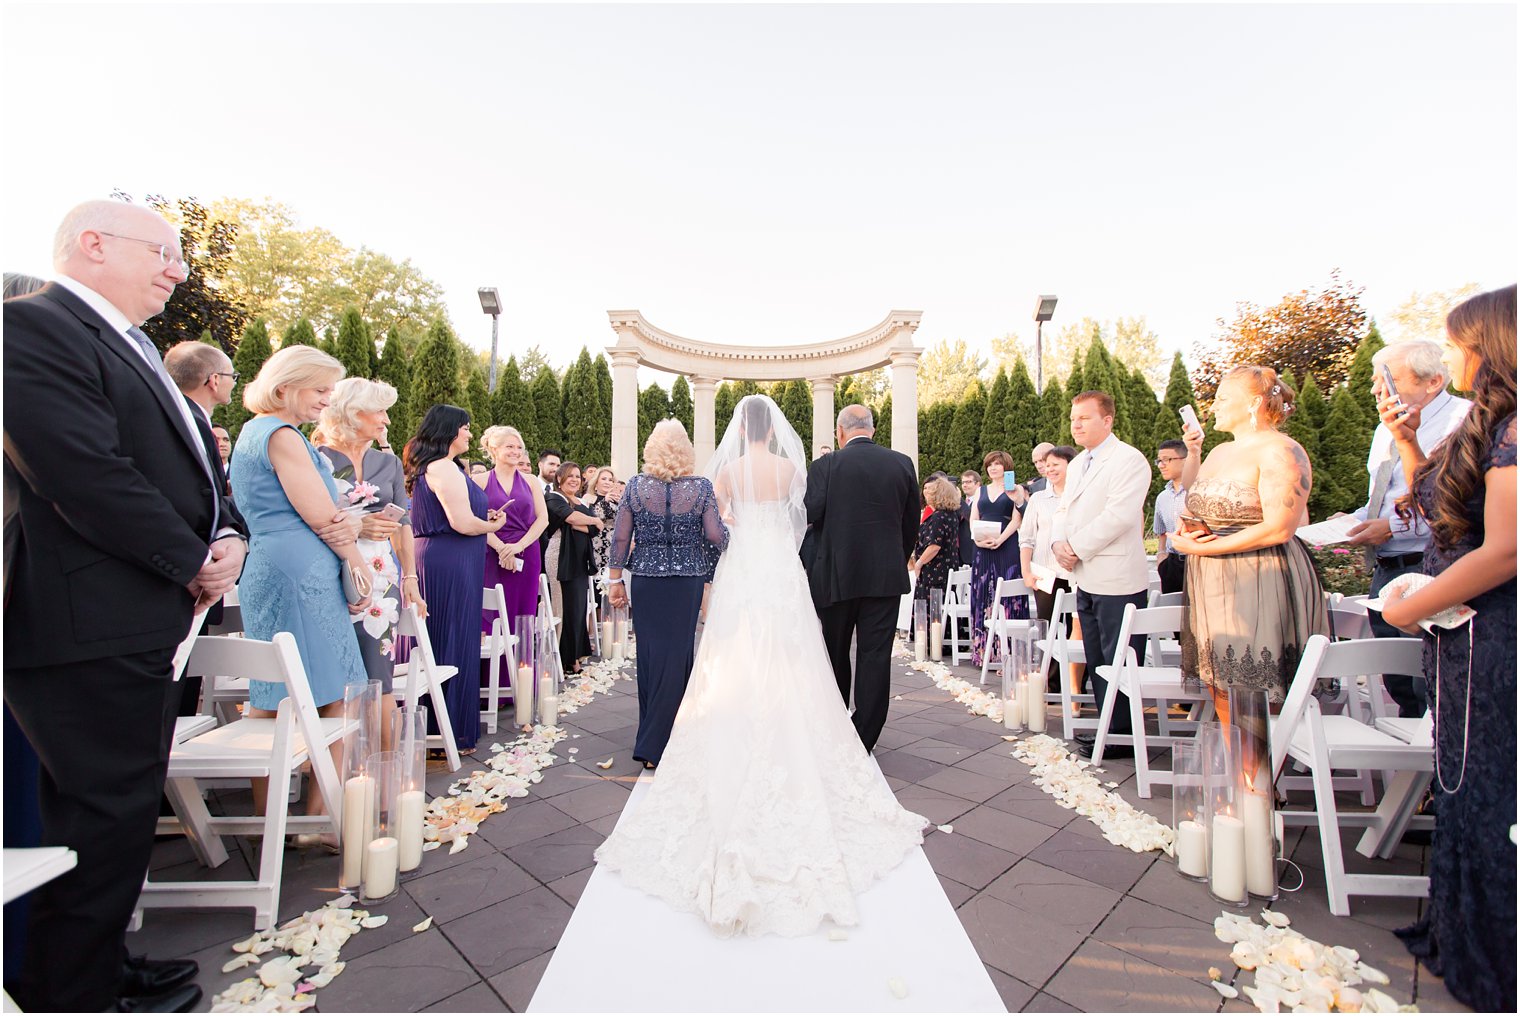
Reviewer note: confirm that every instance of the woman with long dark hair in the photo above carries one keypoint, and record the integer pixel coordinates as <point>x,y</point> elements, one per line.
<point>450,520</point>
<point>1465,490</point>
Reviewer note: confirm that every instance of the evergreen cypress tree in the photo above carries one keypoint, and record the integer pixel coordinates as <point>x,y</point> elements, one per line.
<point>546,411</point>
<point>253,349</point>
<point>1344,444</point>
<point>582,412</point>
<point>724,402</point>
<point>927,461</point>
<point>796,404</point>
<point>354,345</point>
<point>1054,421</point>
<point>745,388</point>
<point>209,339</point>
<point>1142,409</point>
<point>478,394</point>
<point>1299,428</point>
<point>883,416</point>
<point>964,451</point>
<point>845,392</point>
<point>299,334</point>
<point>397,372</point>
<point>1359,379</point>
<point>654,406</point>
<point>1179,393</point>
<point>604,392</point>
<point>1023,419</point>
<point>995,418</point>
<point>435,372</point>
<point>329,343</point>
<point>374,351</point>
<point>512,404</point>
<point>1313,404</point>
<point>680,403</point>
<point>1076,384</point>
<point>935,422</point>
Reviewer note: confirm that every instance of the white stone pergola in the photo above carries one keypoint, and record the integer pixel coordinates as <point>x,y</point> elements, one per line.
<point>707,364</point>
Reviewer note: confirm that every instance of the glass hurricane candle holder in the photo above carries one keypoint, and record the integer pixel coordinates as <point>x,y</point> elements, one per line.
<point>1025,644</point>
<point>524,674</point>
<point>1190,817</point>
<point>382,849</point>
<point>1014,678</point>
<point>1249,715</point>
<point>936,612</point>
<point>410,725</point>
<point>361,737</point>
<point>920,630</point>
<point>547,687</point>
<point>1220,748</point>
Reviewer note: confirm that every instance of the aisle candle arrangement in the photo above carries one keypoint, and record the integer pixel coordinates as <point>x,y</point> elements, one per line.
<point>1071,781</point>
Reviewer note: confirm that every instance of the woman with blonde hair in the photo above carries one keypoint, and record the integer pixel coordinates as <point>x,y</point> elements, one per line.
<point>292,579</point>
<point>938,550</point>
<point>1465,490</point>
<point>353,421</point>
<point>667,532</point>
<point>512,553</point>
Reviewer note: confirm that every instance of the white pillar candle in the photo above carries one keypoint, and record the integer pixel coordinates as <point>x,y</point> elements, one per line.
<point>936,640</point>
<point>608,643</point>
<point>380,868</point>
<point>1013,712</point>
<point>1192,857</point>
<point>920,646</point>
<point>617,652</point>
<point>522,696</point>
<point>1261,857</point>
<point>1227,867</point>
<point>1034,703</point>
<point>620,633</point>
<point>356,819</point>
<point>548,714</point>
<point>545,687</point>
<point>410,806</point>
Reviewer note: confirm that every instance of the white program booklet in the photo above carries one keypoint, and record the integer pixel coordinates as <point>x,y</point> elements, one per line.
<point>1323,534</point>
<point>1044,578</point>
<point>985,530</point>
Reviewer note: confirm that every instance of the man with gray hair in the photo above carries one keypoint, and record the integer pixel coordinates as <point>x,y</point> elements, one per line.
<point>1038,457</point>
<point>1396,546</point>
<point>205,375</point>
<point>862,510</point>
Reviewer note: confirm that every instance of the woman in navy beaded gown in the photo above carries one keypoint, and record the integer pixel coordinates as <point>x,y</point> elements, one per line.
<point>1465,490</point>
<point>450,520</point>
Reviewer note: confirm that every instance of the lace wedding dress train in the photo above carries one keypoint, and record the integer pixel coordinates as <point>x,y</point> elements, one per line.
<point>766,816</point>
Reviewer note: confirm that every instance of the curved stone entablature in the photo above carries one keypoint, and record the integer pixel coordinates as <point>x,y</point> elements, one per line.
<point>888,343</point>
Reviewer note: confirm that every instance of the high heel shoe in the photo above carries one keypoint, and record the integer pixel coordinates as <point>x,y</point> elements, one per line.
<point>305,841</point>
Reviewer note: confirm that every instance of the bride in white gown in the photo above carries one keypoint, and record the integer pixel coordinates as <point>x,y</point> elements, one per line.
<point>767,815</point>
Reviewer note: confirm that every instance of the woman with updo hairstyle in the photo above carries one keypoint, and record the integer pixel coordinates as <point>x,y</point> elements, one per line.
<point>1465,490</point>
<point>1252,597</point>
<point>512,553</point>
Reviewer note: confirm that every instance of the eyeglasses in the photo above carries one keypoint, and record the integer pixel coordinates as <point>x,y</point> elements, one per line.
<point>1162,462</point>
<point>227,373</point>
<point>166,254</point>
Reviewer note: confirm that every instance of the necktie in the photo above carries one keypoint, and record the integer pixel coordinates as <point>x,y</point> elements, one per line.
<point>157,363</point>
<point>1380,481</point>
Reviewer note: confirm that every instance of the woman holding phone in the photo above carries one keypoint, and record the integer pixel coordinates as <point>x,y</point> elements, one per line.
<point>997,554</point>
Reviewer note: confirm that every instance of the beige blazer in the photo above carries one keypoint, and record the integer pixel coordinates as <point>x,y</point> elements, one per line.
<point>1103,514</point>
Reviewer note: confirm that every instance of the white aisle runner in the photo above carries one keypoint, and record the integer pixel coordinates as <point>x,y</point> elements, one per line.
<point>624,951</point>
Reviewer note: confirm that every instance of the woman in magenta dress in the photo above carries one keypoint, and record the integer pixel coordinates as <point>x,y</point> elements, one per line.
<point>450,520</point>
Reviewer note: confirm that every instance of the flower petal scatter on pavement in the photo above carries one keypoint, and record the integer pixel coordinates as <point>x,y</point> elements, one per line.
<point>1296,972</point>
<point>977,700</point>
<point>1070,781</point>
<point>280,983</point>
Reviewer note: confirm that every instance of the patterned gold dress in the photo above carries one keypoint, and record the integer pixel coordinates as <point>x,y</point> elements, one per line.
<point>1247,615</point>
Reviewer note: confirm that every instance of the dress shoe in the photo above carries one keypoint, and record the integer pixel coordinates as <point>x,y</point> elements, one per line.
<point>182,999</point>
<point>1109,751</point>
<point>1087,739</point>
<point>141,976</point>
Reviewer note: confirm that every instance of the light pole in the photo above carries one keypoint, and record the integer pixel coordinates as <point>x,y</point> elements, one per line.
<point>1043,312</point>
<point>490,302</point>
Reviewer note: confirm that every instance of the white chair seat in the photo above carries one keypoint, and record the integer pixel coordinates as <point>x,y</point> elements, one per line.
<point>28,868</point>
<point>241,746</point>
<point>1352,744</point>
<point>1412,730</point>
<point>186,727</point>
<point>1075,653</point>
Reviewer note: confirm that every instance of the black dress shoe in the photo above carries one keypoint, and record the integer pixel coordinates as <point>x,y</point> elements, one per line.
<point>182,999</point>
<point>1084,738</point>
<point>141,976</point>
<point>1109,751</point>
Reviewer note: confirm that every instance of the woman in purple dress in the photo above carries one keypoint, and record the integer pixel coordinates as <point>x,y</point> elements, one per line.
<point>516,544</point>
<point>450,520</point>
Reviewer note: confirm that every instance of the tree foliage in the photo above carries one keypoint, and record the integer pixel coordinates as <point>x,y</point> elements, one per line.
<point>963,447</point>
<point>995,422</point>
<point>724,402</point>
<point>199,304</point>
<point>396,371</point>
<point>1312,331</point>
<point>1344,443</point>
<point>1423,315</point>
<point>796,404</point>
<point>654,406</point>
<point>944,371</point>
<point>252,350</point>
<point>587,429</point>
<point>512,404</point>
<point>355,346</point>
<point>680,403</point>
<point>1359,378</point>
<point>478,394</point>
<point>1054,422</point>
<point>435,372</point>
<point>883,417</point>
<point>546,408</point>
<point>1020,432</point>
<point>300,334</point>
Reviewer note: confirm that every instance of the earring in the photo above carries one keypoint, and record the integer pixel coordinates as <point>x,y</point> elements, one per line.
<point>1254,424</point>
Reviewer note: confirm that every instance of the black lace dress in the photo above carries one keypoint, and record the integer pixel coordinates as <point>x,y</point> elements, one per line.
<point>940,529</point>
<point>1467,933</point>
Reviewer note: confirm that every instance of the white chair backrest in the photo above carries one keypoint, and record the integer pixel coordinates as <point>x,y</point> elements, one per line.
<point>1166,600</point>
<point>1350,624</point>
<point>408,624</point>
<point>494,598</point>
<point>958,585</point>
<point>277,661</point>
<point>1152,623</point>
<point>1323,660</point>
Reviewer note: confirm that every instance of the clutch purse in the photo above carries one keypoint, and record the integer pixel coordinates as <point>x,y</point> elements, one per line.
<point>350,583</point>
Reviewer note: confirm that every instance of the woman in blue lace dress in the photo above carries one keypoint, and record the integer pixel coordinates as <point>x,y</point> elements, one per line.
<point>291,580</point>
<point>668,534</point>
<point>1466,491</point>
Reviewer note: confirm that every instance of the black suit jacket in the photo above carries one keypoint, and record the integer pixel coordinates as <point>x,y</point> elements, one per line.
<point>862,505</point>
<point>113,508</point>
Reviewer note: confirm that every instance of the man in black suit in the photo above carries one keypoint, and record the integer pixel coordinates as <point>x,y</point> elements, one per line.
<point>122,532</point>
<point>204,374</point>
<point>862,507</point>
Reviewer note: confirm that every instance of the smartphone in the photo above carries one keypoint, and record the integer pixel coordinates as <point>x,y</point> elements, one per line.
<point>1391,390</point>
<point>1009,480</point>
<point>1194,526</point>
<point>392,512</point>
<point>1189,419</point>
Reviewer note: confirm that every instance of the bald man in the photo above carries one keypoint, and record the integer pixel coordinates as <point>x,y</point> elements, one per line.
<point>122,530</point>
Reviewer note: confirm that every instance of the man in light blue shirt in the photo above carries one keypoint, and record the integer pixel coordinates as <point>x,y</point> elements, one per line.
<point>1170,502</point>
<point>1396,544</point>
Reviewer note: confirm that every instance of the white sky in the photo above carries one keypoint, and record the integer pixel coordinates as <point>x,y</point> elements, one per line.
<point>786,174</point>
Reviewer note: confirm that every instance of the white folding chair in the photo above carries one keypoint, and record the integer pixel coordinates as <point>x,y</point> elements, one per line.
<point>1160,599</point>
<point>422,675</point>
<point>1322,744</point>
<point>1063,650</point>
<point>593,616</point>
<point>1142,683</point>
<point>271,748</point>
<point>956,606</point>
<point>495,649</point>
<point>1004,629</point>
<point>549,623</point>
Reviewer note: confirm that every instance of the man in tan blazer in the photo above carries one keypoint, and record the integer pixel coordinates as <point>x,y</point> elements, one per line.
<point>1099,540</point>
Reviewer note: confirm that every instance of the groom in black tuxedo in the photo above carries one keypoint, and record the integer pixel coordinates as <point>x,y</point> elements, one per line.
<point>862,513</point>
<point>119,526</point>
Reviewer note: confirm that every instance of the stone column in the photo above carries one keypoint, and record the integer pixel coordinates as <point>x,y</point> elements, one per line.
<point>823,414</point>
<point>905,403</point>
<point>625,411</point>
<point>704,391</point>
